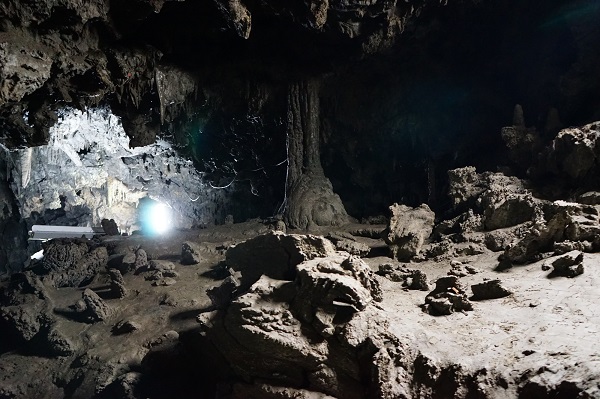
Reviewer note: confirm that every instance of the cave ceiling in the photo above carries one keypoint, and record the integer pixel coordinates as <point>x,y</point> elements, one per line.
<point>80,53</point>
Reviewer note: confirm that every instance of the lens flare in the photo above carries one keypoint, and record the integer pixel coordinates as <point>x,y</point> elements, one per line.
<point>155,218</point>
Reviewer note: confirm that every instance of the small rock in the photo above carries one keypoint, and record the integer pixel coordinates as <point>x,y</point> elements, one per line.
<point>141,260</point>
<point>154,276</point>
<point>96,308</point>
<point>447,297</point>
<point>546,267</point>
<point>489,290</point>
<point>161,265</point>
<point>170,273</point>
<point>117,284</point>
<point>190,254</point>
<point>125,326</point>
<point>165,282</point>
<point>168,300</point>
<point>417,281</point>
<point>127,263</point>
<point>110,227</point>
<point>569,265</point>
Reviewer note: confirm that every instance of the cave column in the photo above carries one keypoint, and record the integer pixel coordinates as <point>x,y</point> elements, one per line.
<point>310,200</point>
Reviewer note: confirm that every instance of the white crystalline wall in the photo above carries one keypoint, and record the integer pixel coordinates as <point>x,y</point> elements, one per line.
<point>88,163</point>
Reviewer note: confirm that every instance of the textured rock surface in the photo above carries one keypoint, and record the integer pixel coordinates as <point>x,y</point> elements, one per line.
<point>325,331</point>
<point>95,308</point>
<point>566,221</point>
<point>447,297</point>
<point>408,229</point>
<point>502,200</point>
<point>275,255</point>
<point>491,289</point>
<point>573,154</point>
<point>88,173</point>
<point>70,263</point>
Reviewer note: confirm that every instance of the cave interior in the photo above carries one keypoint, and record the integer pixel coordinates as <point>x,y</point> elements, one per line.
<point>333,176</point>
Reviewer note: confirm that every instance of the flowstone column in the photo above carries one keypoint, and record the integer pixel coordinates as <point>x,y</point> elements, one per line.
<point>310,200</point>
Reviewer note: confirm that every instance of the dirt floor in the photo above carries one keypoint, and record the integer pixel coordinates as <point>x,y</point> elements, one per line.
<point>540,340</point>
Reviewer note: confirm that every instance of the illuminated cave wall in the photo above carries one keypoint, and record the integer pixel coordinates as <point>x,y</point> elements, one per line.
<point>87,172</point>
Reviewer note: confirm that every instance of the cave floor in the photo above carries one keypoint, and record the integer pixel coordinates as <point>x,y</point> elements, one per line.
<point>545,332</point>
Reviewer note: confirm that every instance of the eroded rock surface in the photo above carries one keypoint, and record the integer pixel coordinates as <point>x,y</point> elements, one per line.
<point>408,229</point>
<point>70,263</point>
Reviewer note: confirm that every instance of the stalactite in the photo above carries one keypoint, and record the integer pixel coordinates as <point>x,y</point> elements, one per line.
<point>25,158</point>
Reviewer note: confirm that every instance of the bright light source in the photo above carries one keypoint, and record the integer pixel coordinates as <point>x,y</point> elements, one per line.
<point>155,218</point>
<point>160,219</point>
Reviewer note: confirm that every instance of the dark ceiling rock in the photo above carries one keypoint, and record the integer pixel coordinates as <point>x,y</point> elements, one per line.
<point>84,54</point>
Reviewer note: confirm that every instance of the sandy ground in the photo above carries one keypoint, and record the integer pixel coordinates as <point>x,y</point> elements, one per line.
<point>547,331</point>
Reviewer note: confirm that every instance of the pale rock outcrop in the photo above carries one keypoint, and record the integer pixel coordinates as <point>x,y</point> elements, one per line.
<point>276,255</point>
<point>566,221</point>
<point>408,229</point>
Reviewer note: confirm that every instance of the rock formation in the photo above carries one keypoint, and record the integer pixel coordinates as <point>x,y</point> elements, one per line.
<point>310,200</point>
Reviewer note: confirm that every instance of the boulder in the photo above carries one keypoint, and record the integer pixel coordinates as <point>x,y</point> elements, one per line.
<point>573,154</point>
<point>311,330</point>
<point>117,284</point>
<point>408,229</point>
<point>334,285</point>
<point>190,253</point>
<point>71,263</point>
<point>95,307</point>
<point>276,255</point>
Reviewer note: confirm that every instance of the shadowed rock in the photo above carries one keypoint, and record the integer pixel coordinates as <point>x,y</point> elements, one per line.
<point>492,289</point>
<point>447,297</point>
